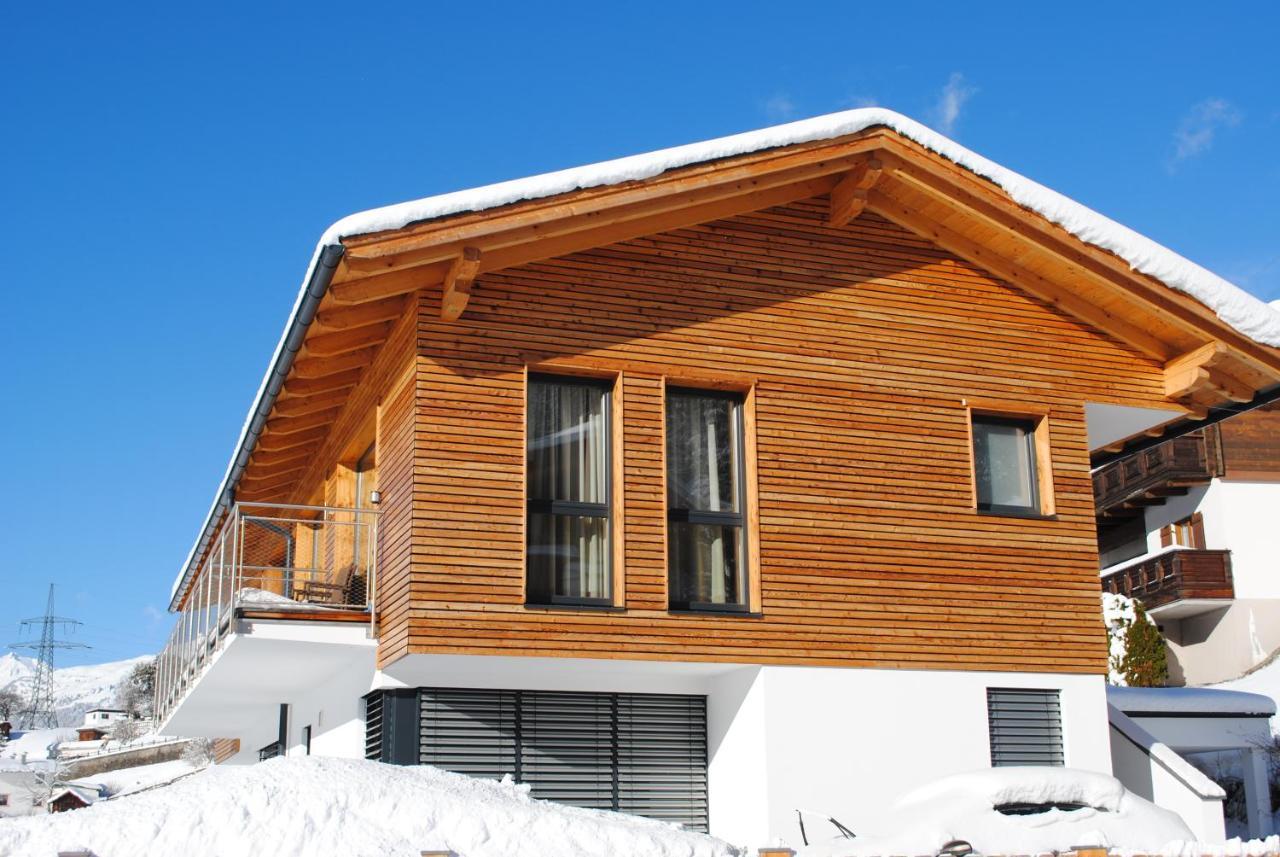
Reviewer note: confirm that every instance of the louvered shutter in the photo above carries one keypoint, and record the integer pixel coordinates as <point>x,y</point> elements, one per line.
<point>1025,726</point>
<point>639,753</point>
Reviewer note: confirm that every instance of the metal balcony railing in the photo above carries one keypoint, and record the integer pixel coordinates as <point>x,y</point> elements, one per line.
<point>1180,574</point>
<point>277,561</point>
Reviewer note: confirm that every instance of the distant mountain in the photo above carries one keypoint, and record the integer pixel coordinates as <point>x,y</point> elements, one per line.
<point>75,689</point>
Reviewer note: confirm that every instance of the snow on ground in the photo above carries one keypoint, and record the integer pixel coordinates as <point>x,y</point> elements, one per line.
<point>317,805</point>
<point>35,743</point>
<point>1265,680</point>
<point>75,689</point>
<point>126,781</point>
<point>963,807</point>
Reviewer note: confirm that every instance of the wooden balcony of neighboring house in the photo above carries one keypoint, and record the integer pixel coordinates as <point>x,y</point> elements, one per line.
<point>271,563</point>
<point>1124,488</point>
<point>1175,583</point>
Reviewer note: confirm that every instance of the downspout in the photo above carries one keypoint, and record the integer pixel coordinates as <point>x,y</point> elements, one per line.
<point>321,276</point>
<point>1187,426</point>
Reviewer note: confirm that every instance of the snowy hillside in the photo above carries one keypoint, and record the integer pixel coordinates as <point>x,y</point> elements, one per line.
<point>75,689</point>
<point>315,805</point>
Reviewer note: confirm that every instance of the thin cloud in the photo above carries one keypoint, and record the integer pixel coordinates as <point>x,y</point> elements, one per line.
<point>951,101</point>
<point>1195,133</point>
<point>780,107</point>
<point>859,101</point>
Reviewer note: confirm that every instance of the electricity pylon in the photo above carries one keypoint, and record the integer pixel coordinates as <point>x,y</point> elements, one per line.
<point>39,713</point>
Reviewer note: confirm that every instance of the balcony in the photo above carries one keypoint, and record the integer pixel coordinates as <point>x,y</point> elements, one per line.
<point>1124,488</point>
<point>1176,583</point>
<point>271,563</point>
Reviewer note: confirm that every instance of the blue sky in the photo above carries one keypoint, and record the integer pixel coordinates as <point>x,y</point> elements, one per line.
<point>168,168</point>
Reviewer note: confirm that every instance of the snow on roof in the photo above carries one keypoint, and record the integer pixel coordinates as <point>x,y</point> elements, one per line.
<point>1236,307</point>
<point>1189,701</point>
<point>318,805</point>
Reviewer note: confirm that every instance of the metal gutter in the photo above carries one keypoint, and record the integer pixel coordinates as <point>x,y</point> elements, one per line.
<point>1187,426</point>
<point>314,287</point>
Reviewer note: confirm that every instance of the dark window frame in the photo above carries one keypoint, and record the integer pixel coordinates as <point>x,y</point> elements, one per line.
<point>730,519</point>
<point>1031,425</point>
<point>570,508</point>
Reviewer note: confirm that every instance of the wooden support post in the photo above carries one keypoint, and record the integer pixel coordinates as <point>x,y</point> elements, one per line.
<point>457,284</point>
<point>849,197</point>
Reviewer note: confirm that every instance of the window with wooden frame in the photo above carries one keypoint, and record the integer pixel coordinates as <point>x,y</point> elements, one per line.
<point>707,539</point>
<point>1011,463</point>
<point>1187,533</point>
<point>569,558</point>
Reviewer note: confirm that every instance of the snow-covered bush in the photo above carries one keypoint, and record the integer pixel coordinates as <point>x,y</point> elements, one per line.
<point>1137,650</point>
<point>198,753</point>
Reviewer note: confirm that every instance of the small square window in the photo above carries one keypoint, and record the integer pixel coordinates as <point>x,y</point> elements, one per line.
<point>1004,465</point>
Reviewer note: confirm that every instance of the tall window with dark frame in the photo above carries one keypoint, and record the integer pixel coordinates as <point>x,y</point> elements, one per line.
<point>1004,464</point>
<point>706,539</point>
<point>568,546</point>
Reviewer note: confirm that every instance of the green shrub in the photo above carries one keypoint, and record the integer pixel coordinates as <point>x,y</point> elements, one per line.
<point>1145,663</point>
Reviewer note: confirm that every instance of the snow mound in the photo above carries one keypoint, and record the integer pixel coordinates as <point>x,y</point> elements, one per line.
<point>1233,305</point>
<point>35,746</point>
<point>315,805</point>
<point>964,807</point>
<point>1264,680</point>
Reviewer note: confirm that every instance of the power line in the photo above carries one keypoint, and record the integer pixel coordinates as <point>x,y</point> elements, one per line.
<point>39,712</point>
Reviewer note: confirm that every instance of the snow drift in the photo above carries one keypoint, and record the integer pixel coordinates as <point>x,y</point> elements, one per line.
<point>315,805</point>
<point>964,807</point>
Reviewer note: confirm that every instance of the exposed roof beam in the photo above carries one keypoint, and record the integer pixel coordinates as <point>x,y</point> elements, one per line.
<point>277,441</point>
<point>295,425</point>
<point>1032,283</point>
<point>356,339</point>
<point>326,367</point>
<point>849,197</point>
<point>457,283</point>
<point>271,460</point>
<point>311,386</point>
<point>272,477</point>
<point>379,286</point>
<point>346,317</point>
<point>1202,377</point>
<point>294,406</point>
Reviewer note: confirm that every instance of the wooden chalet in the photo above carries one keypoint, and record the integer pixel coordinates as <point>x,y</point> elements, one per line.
<point>769,448</point>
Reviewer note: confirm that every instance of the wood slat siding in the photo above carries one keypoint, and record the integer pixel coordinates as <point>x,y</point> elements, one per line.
<point>1251,445</point>
<point>863,342</point>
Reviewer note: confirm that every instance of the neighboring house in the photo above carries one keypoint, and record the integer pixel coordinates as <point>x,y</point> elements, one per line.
<point>104,718</point>
<point>1189,527</point>
<point>18,788</point>
<point>66,798</point>
<point>706,485</point>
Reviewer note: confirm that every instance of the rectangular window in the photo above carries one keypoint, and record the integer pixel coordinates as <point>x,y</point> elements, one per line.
<point>1025,726</point>
<point>707,550</point>
<point>1004,465</point>
<point>1187,533</point>
<point>568,465</point>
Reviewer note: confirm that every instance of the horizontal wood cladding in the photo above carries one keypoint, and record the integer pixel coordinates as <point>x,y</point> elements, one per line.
<point>863,343</point>
<point>1251,445</point>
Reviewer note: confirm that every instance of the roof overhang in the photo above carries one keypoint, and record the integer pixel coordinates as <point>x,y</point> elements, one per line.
<point>1216,343</point>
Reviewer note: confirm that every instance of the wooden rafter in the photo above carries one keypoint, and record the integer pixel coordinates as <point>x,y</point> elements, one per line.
<point>296,425</point>
<point>1203,377</point>
<point>346,317</point>
<point>311,386</point>
<point>355,339</point>
<point>275,460</point>
<point>326,367</point>
<point>275,441</point>
<point>294,406</point>
<point>391,284</point>
<point>849,197</point>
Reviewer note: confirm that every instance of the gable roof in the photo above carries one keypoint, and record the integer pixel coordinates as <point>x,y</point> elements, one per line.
<point>391,251</point>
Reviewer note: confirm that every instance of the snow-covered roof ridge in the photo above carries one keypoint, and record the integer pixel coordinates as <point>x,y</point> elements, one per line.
<point>1190,700</point>
<point>1236,307</point>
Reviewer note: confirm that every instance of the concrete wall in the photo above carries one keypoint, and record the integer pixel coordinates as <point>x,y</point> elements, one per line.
<point>1222,644</point>
<point>844,742</point>
<point>126,759</point>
